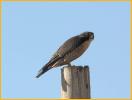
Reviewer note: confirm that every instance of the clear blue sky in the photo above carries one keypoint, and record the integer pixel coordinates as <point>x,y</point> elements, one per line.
<point>32,32</point>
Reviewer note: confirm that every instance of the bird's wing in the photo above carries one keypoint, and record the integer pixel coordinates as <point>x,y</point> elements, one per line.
<point>53,59</point>
<point>70,45</point>
<point>66,48</point>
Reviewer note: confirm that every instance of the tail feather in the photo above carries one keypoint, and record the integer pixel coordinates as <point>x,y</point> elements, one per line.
<point>48,66</point>
<point>42,71</point>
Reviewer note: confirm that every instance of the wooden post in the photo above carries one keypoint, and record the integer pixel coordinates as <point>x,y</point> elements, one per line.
<point>75,82</point>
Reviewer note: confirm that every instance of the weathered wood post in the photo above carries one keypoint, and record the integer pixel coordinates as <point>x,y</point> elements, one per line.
<point>75,82</point>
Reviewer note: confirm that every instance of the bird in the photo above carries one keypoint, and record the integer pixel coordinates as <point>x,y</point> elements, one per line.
<point>70,50</point>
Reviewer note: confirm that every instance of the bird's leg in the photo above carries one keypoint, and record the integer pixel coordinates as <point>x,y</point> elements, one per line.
<point>69,65</point>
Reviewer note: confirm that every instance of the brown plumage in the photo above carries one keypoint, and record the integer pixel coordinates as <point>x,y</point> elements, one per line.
<point>69,51</point>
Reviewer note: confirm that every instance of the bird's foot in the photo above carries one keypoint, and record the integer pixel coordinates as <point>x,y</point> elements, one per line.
<point>69,65</point>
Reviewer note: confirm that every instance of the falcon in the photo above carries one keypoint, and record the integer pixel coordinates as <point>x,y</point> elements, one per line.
<point>70,50</point>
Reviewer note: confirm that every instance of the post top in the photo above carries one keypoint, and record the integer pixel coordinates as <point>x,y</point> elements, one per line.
<point>77,67</point>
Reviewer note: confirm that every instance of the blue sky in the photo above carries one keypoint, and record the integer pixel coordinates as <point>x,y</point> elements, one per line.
<point>32,32</point>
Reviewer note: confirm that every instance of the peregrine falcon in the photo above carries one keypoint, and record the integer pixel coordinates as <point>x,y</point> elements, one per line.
<point>69,51</point>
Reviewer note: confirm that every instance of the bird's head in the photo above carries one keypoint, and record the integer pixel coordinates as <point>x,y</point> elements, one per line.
<point>88,35</point>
